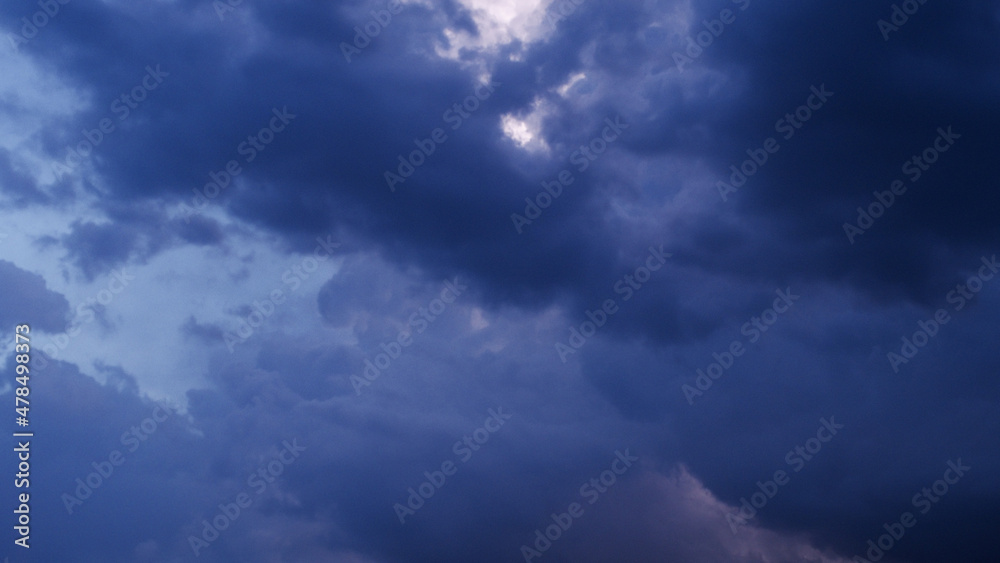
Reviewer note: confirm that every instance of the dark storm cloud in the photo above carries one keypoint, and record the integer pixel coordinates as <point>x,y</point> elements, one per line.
<point>97,248</point>
<point>325,173</point>
<point>26,298</point>
<point>771,398</point>
<point>349,130</point>
<point>133,234</point>
<point>890,99</point>
<point>175,472</point>
<point>85,422</point>
<point>355,119</point>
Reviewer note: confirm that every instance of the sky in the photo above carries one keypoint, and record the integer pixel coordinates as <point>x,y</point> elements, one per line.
<point>671,281</point>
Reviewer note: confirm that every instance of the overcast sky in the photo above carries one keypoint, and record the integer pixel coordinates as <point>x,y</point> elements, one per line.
<point>488,281</point>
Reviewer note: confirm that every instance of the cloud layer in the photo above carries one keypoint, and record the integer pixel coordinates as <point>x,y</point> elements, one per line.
<point>690,230</point>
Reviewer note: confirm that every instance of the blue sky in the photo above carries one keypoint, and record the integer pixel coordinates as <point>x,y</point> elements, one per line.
<point>451,281</point>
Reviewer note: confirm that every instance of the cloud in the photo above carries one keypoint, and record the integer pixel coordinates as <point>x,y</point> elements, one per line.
<point>27,300</point>
<point>555,85</point>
